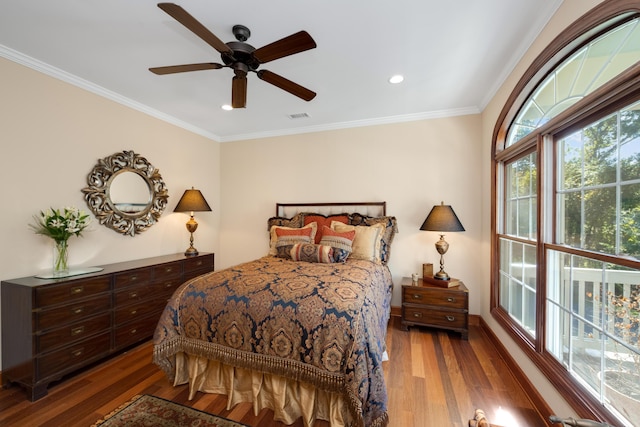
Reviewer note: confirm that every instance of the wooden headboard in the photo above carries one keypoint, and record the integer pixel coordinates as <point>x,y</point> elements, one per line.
<point>374,209</point>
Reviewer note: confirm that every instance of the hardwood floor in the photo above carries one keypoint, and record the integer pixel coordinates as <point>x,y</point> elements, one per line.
<point>433,379</point>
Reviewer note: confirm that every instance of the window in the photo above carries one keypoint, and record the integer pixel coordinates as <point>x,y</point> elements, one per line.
<point>566,252</point>
<point>518,245</point>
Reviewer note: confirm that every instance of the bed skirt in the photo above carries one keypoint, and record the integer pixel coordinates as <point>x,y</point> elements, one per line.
<point>288,399</point>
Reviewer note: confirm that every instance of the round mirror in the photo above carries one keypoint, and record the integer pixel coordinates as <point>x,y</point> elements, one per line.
<point>129,192</point>
<point>126,193</point>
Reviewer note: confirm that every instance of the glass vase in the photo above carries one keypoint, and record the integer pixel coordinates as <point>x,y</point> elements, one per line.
<point>60,258</point>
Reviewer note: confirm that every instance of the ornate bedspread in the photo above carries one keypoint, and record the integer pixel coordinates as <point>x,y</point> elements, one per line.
<point>324,324</point>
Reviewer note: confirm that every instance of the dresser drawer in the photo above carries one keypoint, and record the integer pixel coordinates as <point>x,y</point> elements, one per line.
<point>73,291</point>
<point>166,271</point>
<point>139,310</point>
<point>132,294</point>
<point>196,266</point>
<point>133,277</point>
<point>199,263</point>
<point>434,317</point>
<point>133,332</point>
<point>47,319</point>
<point>165,288</point>
<point>76,331</point>
<point>438,297</point>
<point>67,359</point>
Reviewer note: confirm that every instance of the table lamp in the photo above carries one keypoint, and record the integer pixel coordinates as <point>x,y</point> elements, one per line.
<point>442,218</point>
<point>192,201</point>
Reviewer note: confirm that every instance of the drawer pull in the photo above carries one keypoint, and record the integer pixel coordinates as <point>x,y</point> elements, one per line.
<point>134,311</point>
<point>133,331</point>
<point>451,318</point>
<point>168,285</point>
<point>451,299</point>
<point>418,315</point>
<point>78,352</point>
<point>199,263</point>
<point>77,331</point>
<point>133,294</point>
<point>168,269</point>
<point>77,290</point>
<point>77,310</point>
<point>133,278</point>
<point>417,296</point>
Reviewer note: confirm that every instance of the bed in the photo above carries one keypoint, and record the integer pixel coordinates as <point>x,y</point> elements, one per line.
<point>300,330</point>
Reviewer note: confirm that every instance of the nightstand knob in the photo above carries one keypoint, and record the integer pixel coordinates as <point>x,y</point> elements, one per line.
<point>417,296</point>
<point>417,315</point>
<point>451,299</point>
<point>451,318</point>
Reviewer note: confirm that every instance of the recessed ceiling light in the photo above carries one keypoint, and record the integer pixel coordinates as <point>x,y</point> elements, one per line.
<point>227,107</point>
<point>396,79</point>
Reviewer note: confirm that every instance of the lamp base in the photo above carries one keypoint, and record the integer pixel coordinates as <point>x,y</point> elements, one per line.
<point>441,275</point>
<point>191,251</point>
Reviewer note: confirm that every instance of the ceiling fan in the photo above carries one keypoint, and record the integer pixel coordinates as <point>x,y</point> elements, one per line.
<point>241,56</point>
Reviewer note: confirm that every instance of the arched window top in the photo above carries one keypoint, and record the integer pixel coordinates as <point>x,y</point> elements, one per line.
<point>582,72</point>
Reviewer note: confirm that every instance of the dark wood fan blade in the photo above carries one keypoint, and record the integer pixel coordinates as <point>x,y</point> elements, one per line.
<point>239,92</point>
<point>285,84</point>
<point>183,17</point>
<point>295,43</point>
<point>184,68</point>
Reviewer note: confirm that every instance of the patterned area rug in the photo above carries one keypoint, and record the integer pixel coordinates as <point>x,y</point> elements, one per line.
<point>145,410</point>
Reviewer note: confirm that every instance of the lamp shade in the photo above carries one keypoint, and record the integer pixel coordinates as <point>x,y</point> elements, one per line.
<point>192,201</point>
<point>442,218</point>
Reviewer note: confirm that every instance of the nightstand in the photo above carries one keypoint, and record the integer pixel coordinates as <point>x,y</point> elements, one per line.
<point>434,306</point>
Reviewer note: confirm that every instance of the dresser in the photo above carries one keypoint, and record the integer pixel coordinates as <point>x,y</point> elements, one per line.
<point>52,327</point>
<point>424,304</point>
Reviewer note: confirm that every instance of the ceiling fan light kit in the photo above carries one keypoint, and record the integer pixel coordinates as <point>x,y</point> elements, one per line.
<point>241,57</point>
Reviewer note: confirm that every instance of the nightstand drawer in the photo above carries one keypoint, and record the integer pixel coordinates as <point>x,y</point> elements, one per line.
<point>434,317</point>
<point>433,296</point>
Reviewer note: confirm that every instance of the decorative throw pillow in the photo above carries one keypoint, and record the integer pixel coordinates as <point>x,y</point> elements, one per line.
<point>324,220</point>
<point>309,231</point>
<point>310,252</point>
<point>342,243</point>
<point>391,229</point>
<point>367,242</point>
<point>293,222</point>
<point>287,238</point>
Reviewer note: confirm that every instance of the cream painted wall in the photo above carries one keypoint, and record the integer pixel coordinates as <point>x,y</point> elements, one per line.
<point>411,166</point>
<point>52,134</point>
<point>569,12</point>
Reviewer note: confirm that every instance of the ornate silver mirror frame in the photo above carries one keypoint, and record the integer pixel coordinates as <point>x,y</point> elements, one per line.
<point>128,218</point>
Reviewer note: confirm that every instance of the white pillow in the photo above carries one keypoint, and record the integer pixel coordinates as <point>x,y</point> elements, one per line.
<point>366,243</point>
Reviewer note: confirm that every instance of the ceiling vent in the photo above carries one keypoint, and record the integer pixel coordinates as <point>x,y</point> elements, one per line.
<point>298,116</point>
